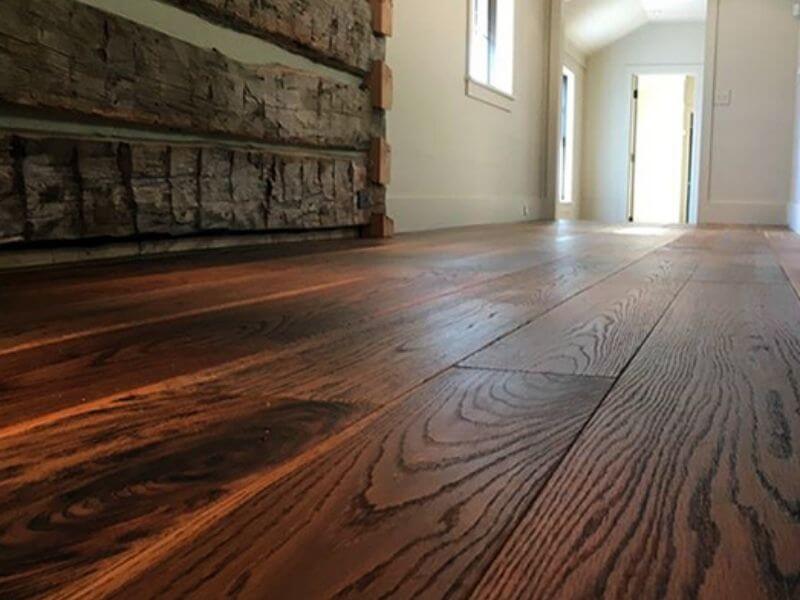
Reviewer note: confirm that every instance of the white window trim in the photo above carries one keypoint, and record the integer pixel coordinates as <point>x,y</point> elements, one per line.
<point>566,197</point>
<point>489,95</point>
<point>483,92</point>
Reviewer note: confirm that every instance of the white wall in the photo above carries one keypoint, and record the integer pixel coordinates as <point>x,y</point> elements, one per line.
<point>751,139</point>
<point>607,112</point>
<point>455,160</point>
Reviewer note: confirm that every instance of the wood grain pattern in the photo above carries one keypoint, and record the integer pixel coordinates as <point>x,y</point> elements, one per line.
<point>140,76</point>
<point>413,507</point>
<point>56,526</point>
<point>75,188</point>
<point>685,483</point>
<point>294,420</point>
<point>360,341</point>
<point>786,246</point>
<point>595,333</point>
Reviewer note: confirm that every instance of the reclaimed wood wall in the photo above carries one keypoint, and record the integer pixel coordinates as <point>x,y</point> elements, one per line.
<point>295,151</point>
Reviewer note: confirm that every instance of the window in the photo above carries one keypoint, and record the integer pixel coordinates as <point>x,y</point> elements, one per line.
<point>567,150</point>
<point>491,44</point>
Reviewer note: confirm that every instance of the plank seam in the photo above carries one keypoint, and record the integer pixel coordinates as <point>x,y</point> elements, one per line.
<point>549,476</point>
<point>530,372</point>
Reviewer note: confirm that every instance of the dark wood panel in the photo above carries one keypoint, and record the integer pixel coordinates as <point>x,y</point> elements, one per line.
<point>71,57</point>
<point>415,505</point>
<point>685,483</point>
<point>58,524</point>
<point>336,32</point>
<point>595,333</point>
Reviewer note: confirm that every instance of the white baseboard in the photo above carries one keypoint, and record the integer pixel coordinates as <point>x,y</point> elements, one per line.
<point>744,213</point>
<point>418,213</point>
<point>794,216</point>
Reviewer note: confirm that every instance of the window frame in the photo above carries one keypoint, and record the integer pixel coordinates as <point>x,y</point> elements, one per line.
<point>567,136</point>
<point>486,91</point>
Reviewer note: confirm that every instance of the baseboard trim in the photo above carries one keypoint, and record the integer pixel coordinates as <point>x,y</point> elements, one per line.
<point>427,213</point>
<point>793,217</point>
<point>744,213</point>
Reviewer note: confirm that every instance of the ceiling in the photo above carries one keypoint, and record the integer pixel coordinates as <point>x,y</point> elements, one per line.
<point>593,24</point>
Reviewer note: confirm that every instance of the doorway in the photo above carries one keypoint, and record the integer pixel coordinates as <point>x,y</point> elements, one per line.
<point>662,148</point>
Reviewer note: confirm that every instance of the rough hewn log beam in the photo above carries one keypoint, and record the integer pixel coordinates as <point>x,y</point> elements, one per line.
<point>58,189</point>
<point>70,57</point>
<point>335,32</point>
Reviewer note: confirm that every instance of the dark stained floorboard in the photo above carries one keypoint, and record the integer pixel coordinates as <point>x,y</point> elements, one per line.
<point>146,405</point>
<point>595,333</point>
<point>415,506</point>
<point>685,483</point>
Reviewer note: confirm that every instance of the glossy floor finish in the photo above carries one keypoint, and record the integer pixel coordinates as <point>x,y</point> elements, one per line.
<point>536,411</point>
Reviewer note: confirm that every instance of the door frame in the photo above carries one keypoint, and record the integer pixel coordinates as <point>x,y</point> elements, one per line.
<point>692,70</point>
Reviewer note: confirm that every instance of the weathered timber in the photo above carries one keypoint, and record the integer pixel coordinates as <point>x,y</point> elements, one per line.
<point>335,32</point>
<point>380,159</point>
<point>66,56</point>
<point>381,85</point>
<point>379,227</point>
<point>59,189</point>
<point>12,211</point>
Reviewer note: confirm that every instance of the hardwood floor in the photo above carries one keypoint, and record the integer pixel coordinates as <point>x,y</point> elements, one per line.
<point>541,411</point>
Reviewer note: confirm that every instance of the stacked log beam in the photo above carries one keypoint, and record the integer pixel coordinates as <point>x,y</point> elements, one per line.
<point>68,59</point>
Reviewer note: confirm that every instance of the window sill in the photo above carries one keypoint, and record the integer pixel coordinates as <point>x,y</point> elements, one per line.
<point>489,95</point>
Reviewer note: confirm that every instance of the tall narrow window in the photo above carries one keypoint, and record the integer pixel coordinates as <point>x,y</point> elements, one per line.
<point>567,150</point>
<point>491,44</point>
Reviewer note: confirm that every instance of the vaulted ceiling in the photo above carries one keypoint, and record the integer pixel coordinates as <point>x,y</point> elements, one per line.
<point>593,24</point>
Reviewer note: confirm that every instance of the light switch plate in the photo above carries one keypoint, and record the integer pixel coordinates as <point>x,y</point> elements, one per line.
<point>723,98</point>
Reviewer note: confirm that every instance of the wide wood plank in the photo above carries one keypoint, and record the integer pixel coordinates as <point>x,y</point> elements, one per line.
<point>365,340</point>
<point>786,246</point>
<point>685,483</point>
<point>415,506</point>
<point>595,333</point>
<point>113,444</point>
<point>58,526</point>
